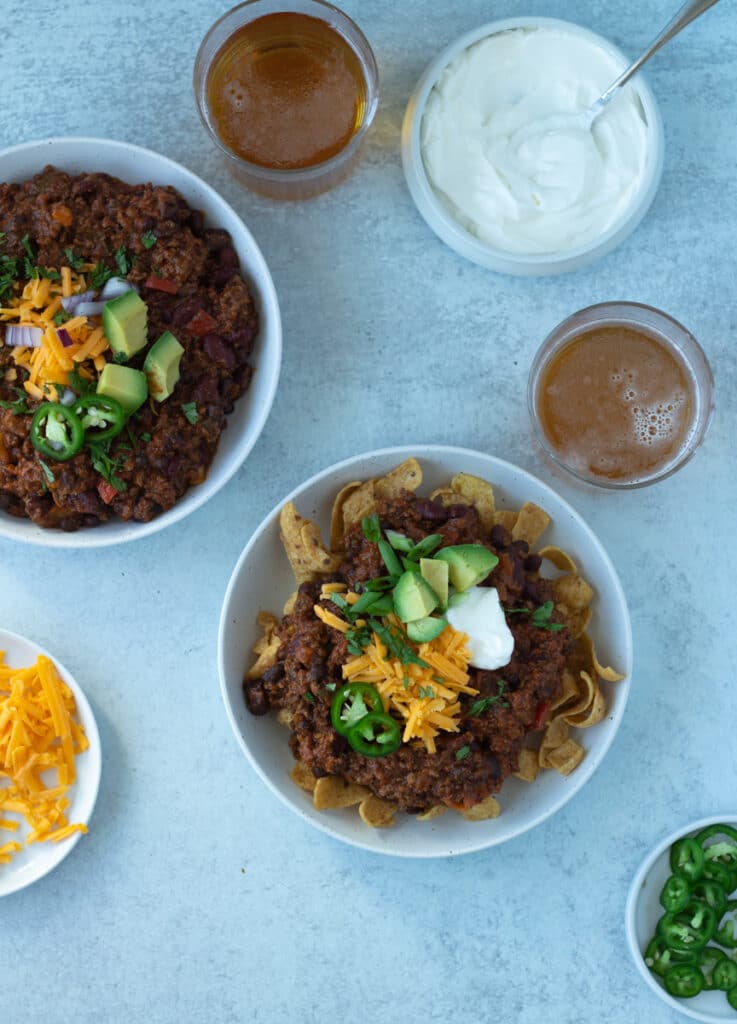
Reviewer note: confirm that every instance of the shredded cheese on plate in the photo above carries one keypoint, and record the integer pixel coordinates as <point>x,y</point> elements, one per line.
<point>39,733</point>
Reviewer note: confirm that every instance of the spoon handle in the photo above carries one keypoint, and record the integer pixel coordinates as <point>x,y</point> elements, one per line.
<point>685,16</point>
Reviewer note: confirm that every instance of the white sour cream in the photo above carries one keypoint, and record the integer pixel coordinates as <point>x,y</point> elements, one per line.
<point>503,152</point>
<point>480,615</point>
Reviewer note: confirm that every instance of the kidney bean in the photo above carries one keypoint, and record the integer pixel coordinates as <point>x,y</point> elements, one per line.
<point>532,563</point>
<point>431,510</point>
<point>185,310</point>
<point>218,351</point>
<point>216,239</point>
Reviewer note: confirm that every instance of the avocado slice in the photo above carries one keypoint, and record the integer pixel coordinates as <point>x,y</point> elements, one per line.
<point>124,321</point>
<point>468,564</point>
<point>414,598</point>
<point>422,631</point>
<point>436,574</point>
<point>161,366</point>
<point>124,384</point>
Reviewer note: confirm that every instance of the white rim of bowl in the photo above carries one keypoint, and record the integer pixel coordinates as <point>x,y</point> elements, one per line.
<point>94,537</point>
<point>450,231</point>
<point>406,451</point>
<point>633,897</point>
<point>87,716</point>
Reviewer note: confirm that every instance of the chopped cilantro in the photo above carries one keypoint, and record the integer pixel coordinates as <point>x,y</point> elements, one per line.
<point>79,383</point>
<point>123,261</point>
<point>190,412</point>
<point>61,317</point>
<point>310,697</point>
<point>540,617</point>
<point>463,752</point>
<point>75,262</point>
<point>20,406</point>
<point>99,275</point>
<point>145,437</point>
<point>27,248</point>
<point>484,703</point>
<point>107,466</point>
<point>148,238</point>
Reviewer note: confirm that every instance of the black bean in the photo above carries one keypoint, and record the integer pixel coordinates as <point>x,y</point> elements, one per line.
<point>532,563</point>
<point>274,674</point>
<point>500,536</point>
<point>521,547</point>
<point>256,699</point>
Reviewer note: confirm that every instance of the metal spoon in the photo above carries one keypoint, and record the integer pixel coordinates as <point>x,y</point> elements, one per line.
<point>685,16</point>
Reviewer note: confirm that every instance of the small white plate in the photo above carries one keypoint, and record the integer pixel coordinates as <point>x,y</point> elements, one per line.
<point>33,862</point>
<point>263,579</point>
<point>644,911</point>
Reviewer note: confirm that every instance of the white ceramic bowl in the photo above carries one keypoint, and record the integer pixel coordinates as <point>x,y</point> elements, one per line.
<point>262,579</point>
<point>134,164</point>
<point>643,912</point>
<point>35,861</point>
<point>441,220</point>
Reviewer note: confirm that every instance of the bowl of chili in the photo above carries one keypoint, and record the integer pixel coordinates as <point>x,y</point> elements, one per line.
<point>61,435</point>
<point>263,579</point>
<point>680,919</point>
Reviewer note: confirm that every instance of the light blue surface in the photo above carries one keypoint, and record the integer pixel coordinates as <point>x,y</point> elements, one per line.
<point>197,896</point>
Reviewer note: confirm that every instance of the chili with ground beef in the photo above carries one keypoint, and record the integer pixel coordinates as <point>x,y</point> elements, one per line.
<point>165,451</point>
<point>468,765</point>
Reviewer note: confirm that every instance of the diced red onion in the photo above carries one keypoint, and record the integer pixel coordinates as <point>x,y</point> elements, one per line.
<point>89,309</point>
<point>64,337</point>
<point>25,337</point>
<point>68,398</point>
<point>116,287</point>
<point>71,302</point>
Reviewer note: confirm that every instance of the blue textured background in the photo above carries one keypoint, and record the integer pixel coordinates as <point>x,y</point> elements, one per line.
<point>196,896</point>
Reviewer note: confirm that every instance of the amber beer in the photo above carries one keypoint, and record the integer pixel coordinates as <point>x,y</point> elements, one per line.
<point>620,403</point>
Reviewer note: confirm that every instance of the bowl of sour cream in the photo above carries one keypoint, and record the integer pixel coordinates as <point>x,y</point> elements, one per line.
<point>498,163</point>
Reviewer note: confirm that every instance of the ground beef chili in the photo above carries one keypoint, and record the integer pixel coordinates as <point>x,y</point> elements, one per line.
<point>210,311</point>
<point>311,656</point>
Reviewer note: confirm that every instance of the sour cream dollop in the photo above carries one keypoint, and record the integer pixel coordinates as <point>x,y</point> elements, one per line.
<point>480,616</point>
<point>504,151</point>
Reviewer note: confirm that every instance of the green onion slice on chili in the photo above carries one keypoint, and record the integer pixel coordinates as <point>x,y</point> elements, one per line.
<point>351,703</point>
<point>102,417</point>
<point>375,735</point>
<point>56,431</point>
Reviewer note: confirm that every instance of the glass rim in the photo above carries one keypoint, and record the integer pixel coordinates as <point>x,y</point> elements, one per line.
<point>674,336</point>
<point>353,36</point>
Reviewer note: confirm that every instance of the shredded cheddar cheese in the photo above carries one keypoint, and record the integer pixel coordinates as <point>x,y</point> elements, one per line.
<point>38,733</point>
<point>424,697</point>
<point>50,364</point>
